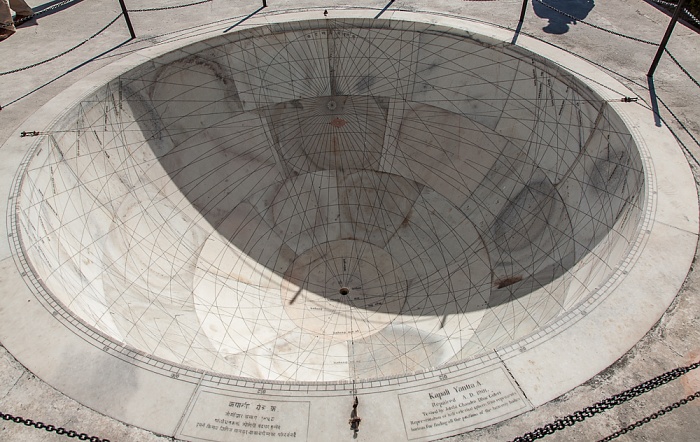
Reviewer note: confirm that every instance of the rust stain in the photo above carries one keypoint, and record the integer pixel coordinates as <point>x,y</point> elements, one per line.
<point>505,282</point>
<point>407,219</point>
<point>338,122</point>
<point>691,381</point>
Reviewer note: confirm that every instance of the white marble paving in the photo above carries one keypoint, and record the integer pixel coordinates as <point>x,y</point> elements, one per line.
<point>303,211</point>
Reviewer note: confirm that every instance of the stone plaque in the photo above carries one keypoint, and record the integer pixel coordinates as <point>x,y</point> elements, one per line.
<point>462,405</point>
<point>221,417</point>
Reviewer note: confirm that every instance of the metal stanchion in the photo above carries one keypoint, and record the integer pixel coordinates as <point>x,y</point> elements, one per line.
<point>522,12</point>
<point>662,45</point>
<point>128,20</point>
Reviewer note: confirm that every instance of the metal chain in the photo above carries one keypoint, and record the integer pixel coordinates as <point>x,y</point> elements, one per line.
<point>678,63</point>
<point>607,404</point>
<point>44,11</point>
<point>683,126</point>
<point>169,7</point>
<point>692,17</point>
<point>685,10</point>
<point>652,416</point>
<point>662,2</point>
<point>64,52</point>
<point>50,428</point>
<point>566,14</point>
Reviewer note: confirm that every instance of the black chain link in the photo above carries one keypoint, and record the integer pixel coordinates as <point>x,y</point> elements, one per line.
<point>164,8</point>
<point>607,404</point>
<point>44,11</point>
<point>50,428</point>
<point>685,71</point>
<point>675,5</point>
<point>652,416</point>
<point>64,52</point>
<point>565,14</point>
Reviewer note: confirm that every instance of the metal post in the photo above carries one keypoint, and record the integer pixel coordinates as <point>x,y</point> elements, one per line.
<point>522,12</point>
<point>264,3</point>
<point>669,30</point>
<point>126,17</point>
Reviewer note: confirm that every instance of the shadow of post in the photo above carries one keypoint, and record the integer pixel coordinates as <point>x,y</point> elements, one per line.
<point>385,8</point>
<point>654,101</point>
<point>516,34</point>
<point>245,18</point>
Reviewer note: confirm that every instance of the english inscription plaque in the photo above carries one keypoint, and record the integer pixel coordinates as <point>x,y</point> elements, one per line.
<point>460,406</point>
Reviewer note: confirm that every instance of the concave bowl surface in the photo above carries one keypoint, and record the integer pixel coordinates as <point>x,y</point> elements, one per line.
<point>331,200</point>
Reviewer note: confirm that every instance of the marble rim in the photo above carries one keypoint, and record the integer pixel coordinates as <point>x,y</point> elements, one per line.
<point>566,321</point>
